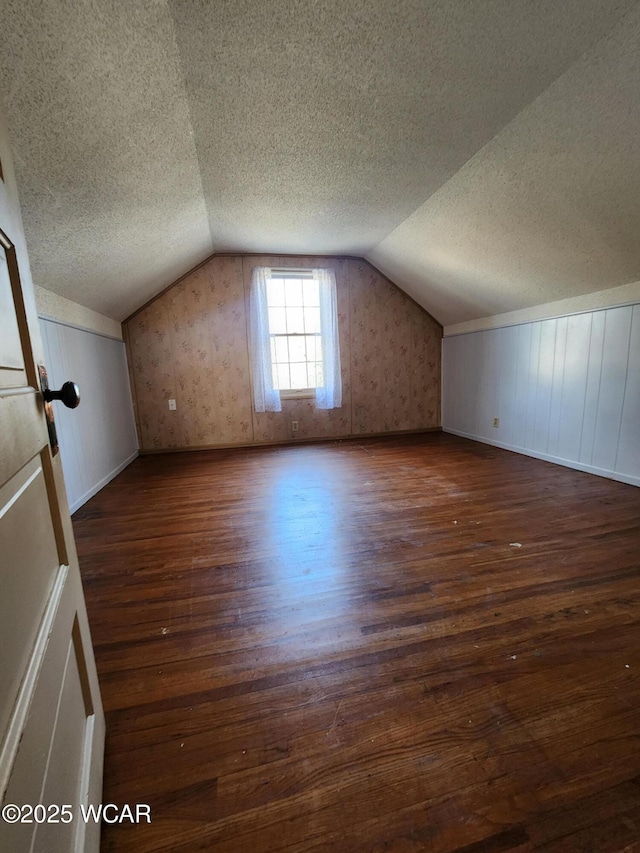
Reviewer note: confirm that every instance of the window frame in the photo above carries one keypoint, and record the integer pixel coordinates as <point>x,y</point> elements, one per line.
<point>266,398</point>
<point>293,273</point>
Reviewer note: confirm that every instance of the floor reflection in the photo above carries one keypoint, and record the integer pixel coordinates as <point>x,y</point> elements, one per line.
<point>302,514</point>
<point>307,566</point>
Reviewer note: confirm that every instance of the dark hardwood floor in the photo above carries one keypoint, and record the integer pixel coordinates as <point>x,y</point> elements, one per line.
<point>406,644</point>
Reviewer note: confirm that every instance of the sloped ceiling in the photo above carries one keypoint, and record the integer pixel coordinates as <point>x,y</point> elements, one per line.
<point>483,155</point>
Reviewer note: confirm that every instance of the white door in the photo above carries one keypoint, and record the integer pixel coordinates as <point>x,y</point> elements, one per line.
<point>51,720</point>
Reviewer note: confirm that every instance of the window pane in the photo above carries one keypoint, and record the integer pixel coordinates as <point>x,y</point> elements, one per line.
<point>299,376</point>
<point>277,321</point>
<point>311,292</point>
<point>310,341</point>
<point>293,306</point>
<point>297,351</point>
<point>281,348</point>
<point>311,320</point>
<point>316,379</point>
<point>283,383</point>
<point>295,320</point>
<point>275,292</point>
<point>293,291</point>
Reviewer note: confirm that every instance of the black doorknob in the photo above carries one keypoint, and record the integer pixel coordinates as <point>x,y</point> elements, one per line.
<point>69,394</point>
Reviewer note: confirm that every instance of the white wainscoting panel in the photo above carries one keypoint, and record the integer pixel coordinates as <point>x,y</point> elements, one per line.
<point>98,439</point>
<point>566,390</point>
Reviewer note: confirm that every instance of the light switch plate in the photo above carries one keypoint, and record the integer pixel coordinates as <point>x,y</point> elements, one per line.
<point>172,405</point>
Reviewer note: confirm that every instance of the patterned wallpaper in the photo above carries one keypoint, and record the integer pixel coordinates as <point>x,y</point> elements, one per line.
<point>192,344</point>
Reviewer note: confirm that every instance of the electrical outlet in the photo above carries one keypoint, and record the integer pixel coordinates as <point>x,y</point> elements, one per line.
<point>172,405</point>
<point>496,422</point>
<point>294,426</point>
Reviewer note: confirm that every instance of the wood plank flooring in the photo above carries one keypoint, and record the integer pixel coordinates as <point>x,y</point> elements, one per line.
<point>408,644</point>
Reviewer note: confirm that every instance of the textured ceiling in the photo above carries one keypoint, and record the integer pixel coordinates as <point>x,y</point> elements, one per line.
<point>549,209</point>
<point>481,154</point>
<point>103,147</point>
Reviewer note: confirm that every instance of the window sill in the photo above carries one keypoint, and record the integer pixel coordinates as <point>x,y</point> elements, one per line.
<point>299,394</point>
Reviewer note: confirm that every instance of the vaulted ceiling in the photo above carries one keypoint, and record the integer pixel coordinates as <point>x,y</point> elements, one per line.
<point>484,155</point>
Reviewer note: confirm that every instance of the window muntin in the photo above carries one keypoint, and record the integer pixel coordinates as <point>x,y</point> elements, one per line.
<point>293,305</point>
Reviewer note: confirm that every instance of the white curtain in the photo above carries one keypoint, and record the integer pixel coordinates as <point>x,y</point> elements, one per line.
<point>266,398</point>
<point>330,396</point>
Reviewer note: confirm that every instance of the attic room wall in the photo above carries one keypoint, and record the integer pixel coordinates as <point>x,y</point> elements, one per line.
<point>192,344</point>
<point>98,439</point>
<point>565,389</point>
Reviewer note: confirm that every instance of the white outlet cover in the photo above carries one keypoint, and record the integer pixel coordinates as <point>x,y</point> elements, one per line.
<point>172,405</point>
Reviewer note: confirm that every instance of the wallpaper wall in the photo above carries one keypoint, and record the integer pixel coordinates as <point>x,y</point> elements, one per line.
<point>192,344</point>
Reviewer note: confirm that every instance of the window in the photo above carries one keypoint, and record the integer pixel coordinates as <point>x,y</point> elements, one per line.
<point>294,333</point>
<point>293,303</point>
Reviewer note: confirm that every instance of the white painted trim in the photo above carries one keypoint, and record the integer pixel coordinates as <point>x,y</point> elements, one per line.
<point>545,457</point>
<point>538,319</point>
<point>23,488</point>
<point>103,482</point>
<point>20,710</point>
<point>85,781</point>
<point>89,331</point>
<point>600,300</point>
<point>60,308</point>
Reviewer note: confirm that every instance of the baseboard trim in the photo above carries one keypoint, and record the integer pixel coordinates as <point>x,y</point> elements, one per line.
<point>290,441</point>
<point>101,483</point>
<point>546,457</point>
